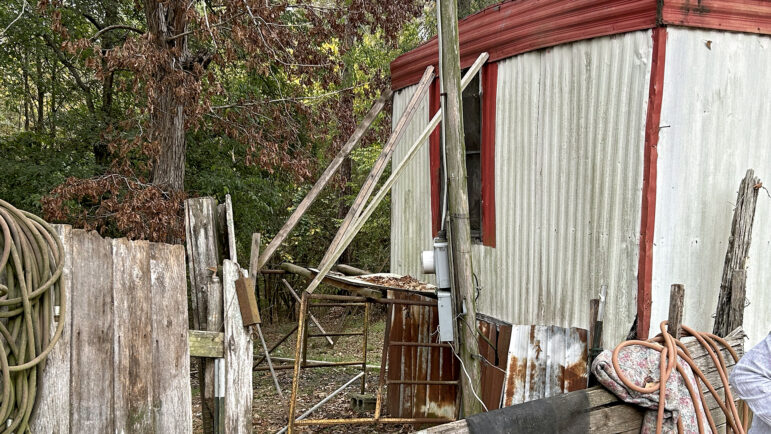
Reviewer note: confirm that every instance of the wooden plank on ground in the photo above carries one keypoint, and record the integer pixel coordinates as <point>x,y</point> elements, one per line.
<point>91,385</point>
<point>238,357</point>
<point>171,357</point>
<point>133,365</point>
<point>52,414</point>
<point>205,344</point>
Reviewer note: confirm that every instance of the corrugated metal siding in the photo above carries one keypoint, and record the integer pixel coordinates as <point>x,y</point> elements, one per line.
<point>419,363</point>
<point>569,147</point>
<point>545,361</point>
<point>411,194</point>
<point>716,113</point>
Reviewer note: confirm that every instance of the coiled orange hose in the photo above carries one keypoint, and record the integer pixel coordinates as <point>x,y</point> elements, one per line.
<point>667,345</point>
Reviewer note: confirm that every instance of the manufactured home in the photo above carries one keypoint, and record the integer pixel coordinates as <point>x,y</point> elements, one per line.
<point>605,141</point>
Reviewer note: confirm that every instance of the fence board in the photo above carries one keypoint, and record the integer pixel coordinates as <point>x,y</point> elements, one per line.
<point>52,414</point>
<point>133,365</point>
<point>171,355</point>
<point>202,216</point>
<point>238,357</point>
<point>91,394</point>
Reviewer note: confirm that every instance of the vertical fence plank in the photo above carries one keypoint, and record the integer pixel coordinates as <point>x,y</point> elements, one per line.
<point>91,380</point>
<point>133,365</point>
<point>52,414</point>
<point>238,358</point>
<point>171,354</point>
<point>204,250</point>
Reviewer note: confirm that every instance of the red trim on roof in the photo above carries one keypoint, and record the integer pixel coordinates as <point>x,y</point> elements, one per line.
<point>490,90</point>
<point>751,16</point>
<point>648,214</point>
<point>434,149</point>
<point>516,27</point>
<point>520,26</point>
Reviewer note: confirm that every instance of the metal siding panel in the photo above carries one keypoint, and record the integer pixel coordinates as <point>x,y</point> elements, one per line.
<point>570,126</point>
<point>715,113</point>
<point>411,194</point>
<point>513,28</point>
<point>751,16</point>
<point>569,151</point>
<point>544,361</point>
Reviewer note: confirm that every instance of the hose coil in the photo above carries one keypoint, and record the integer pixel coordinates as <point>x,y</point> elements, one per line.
<point>31,264</point>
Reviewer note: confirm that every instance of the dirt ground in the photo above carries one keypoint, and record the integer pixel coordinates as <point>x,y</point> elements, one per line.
<point>270,412</point>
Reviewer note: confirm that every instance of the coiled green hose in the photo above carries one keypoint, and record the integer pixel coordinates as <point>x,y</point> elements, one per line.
<point>30,266</point>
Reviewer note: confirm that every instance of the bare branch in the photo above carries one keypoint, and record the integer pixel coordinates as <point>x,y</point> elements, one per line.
<point>115,27</point>
<point>23,8</point>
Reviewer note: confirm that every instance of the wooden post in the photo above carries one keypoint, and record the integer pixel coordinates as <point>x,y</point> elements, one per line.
<point>254,255</point>
<point>738,247</point>
<point>675,318</point>
<point>738,292</point>
<point>457,191</point>
<point>324,179</point>
<point>204,251</point>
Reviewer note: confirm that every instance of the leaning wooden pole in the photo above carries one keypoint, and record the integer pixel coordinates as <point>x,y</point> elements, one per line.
<point>362,128</point>
<point>738,248</point>
<point>457,191</point>
<point>380,164</point>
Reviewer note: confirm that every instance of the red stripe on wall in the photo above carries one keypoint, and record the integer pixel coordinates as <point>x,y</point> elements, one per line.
<point>647,220</point>
<point>490,89</point>
<point>434,150</point>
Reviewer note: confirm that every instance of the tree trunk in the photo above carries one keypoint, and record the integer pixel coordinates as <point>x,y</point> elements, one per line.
<point>40,88</point>
<point>169,124</point>
<point>164,21</point>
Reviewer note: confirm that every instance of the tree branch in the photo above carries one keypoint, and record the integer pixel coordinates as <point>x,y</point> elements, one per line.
<point>23,8</point>
<point>115,27</point>
<point>75,74</point>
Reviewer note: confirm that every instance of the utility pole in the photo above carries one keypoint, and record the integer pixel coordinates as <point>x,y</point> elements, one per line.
<point>457,192</point>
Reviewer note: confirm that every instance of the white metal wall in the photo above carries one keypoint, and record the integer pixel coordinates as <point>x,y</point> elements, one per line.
<point>411,193</point>
<point>715,120</point>
<point>569,148</point>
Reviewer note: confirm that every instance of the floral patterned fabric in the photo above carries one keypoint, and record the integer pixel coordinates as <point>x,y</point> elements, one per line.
<point>640,365</point>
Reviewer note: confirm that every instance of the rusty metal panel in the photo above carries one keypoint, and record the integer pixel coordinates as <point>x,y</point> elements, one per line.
<point>544,361</point>
<point>716,111</point>
<point>493,348</point>
<point>415,324</point>
<point>751,16</point>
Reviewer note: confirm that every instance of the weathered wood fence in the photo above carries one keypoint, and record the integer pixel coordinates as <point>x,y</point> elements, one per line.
<point>122,364</point>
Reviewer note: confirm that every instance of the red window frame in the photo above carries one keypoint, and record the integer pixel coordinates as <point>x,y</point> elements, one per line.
<point>489,93</point>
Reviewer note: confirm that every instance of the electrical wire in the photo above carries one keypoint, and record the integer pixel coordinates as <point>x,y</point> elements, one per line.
<point>667,345</point>
<point>30,267</point>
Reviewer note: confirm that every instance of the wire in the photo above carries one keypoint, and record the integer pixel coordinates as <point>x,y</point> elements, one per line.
<point>32,258</point>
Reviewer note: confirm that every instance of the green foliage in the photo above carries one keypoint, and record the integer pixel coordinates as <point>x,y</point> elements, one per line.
<point>32,164</point>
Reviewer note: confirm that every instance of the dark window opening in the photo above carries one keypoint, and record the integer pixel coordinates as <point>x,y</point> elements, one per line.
<point>472,133</point>
<point>472,129</point>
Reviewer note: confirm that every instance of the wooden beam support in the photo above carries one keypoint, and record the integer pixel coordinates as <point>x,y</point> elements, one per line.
<point>459,234</point>
<point>324,179</point>
<point>377,170</point>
